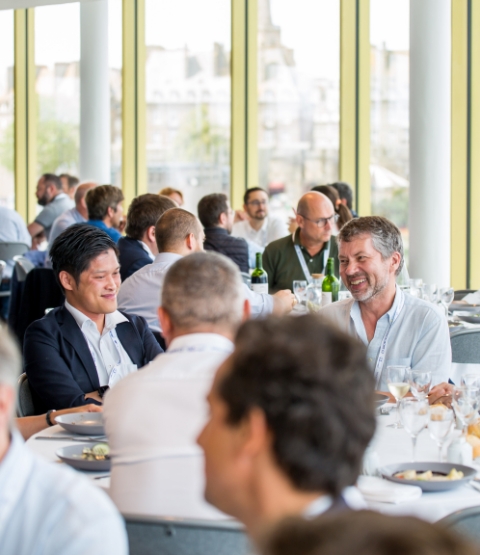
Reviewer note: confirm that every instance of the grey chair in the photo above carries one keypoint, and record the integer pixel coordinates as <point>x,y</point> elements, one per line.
<point>465,345</point>
<point>3,264</point>
<point>25,405</point>
<point>175,536</point>
<point>7,252</point>
<point>465,522</point>
<point>22,267</point>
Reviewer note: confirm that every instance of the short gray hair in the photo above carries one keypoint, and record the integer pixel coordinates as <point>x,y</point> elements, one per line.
<point>386,236</point>
<point>204,288</point>
<point>10,359</point>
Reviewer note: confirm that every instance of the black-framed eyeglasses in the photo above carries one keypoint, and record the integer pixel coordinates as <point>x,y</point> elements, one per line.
<point>258,202</point>
<point>322,222</point>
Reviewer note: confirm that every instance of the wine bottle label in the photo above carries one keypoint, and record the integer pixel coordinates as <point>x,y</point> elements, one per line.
<point>260,287</point>
<point>326,298</point>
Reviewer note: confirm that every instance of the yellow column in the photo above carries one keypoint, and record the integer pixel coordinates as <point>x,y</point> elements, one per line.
<point>25,115</point>
<point>355,100</point>
<point>134,166</point>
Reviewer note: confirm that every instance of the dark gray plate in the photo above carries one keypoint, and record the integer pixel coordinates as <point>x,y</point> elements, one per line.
<point>444,468</point>
<point>463,306</point>
<point>85,423</point>
<point>72,455</point>
<point>473,319</point>
<point>381,399</point>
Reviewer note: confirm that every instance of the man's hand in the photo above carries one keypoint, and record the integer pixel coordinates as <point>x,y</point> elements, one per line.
<point>93,395</point>
<point>240,215</point>
<point>441,393</point>
<point>283,302</point>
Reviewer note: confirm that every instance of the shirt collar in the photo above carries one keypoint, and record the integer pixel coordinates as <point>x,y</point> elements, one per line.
<point>111,320</point>
<point>210,342</point>
<point>163,257</point>
<point>146,248</point>
<point>296,241</point>
<point>60,196</point>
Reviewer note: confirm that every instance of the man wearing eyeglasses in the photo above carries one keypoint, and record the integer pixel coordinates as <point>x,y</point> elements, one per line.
<point>259,227</point>
<point>298,256</point>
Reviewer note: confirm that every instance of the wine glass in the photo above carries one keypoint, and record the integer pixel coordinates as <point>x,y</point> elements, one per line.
<point>446,296</point>
<point>430,292</point>
<point>471,380</point>
<point>398,387</point>
<point>414,415</point>
<point>416,288</point>
<point>299,290</point>
<point>466,402</point>
<point>440,420</point>
<point>420,382</point>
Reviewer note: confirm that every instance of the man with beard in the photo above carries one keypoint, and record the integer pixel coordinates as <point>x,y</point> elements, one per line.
<point>50,195</point>
<point>398,329</point>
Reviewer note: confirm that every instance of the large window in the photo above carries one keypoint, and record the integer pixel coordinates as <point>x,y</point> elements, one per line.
<point>7,184</point>
<point>188,96</point>
<point>389,166</point>
<point>115,63</point>
<point>298,96</point>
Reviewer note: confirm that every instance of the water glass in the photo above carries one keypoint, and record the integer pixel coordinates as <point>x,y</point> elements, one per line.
<point>416,288</point>
<point>471,380</point>
<point>414,415</point>
<point>446,296</point>
<point>430,292</point>
<point>420,382</point>
<point>398,387</point>
<point>299,290</point>
<point>440,423</point>
<point>466,402</point>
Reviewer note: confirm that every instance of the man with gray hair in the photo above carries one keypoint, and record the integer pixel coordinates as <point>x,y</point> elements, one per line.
<point>44,508</point>
<point>152,420</point>
<point>398,329</point>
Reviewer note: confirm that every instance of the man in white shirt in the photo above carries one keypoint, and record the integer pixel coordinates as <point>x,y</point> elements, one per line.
<point>44,508</point>
<point>397,329</point>
<point>291,413</point>
<point>153,418</point>
<point>259,227</point>
<point>179,233</point>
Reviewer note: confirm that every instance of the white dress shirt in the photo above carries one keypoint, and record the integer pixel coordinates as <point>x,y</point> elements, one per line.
<point>12,230</point>
<point>147,249</point>
<point>418,337</point>
<point>111,360</point>
<point>152,420</point>
<point>46,509</point>
<point>271,230</point>
<point>140,294</point>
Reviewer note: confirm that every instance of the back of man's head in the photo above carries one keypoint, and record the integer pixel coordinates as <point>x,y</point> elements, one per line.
<point>211,207</point>
<point>173,227</point>
<point>10,368</point>
<point>316,390</point>
<point>204,288</point>
<point>82,190</point>
<point>100,199</point>
<point>144,212</point>
<point>52,179</point>
<point>71,180</point>
<point>344,192</point>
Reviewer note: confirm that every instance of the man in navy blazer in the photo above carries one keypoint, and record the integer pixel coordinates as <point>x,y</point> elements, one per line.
<point>77,351</point>
<point>139,247</point>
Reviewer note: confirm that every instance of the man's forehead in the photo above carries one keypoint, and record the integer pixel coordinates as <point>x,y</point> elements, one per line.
<point>360,243</point>
<point>103,261</point>
<point>257,195</point>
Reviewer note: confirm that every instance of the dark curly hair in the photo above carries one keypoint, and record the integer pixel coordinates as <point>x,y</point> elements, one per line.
<point>316,389</point>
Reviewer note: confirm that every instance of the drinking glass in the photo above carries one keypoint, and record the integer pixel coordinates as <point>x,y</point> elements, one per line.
<point>446,297</point>
<point>466,401</point>
<point>471,380</point>
<point>414,415</point>
<point>420,382</point>
<point>398,387</point>
<point>416,288</point>
<point>430,292</point>
<point>343,292</point>
<point>299,290</point>
<point>440,421</point>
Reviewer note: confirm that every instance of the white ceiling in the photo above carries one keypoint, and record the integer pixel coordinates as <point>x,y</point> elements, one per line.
<point>9,4</point>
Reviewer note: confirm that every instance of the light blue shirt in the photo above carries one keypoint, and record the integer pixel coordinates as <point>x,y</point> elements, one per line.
<point>45,509</point>
<point>12,230</point>
<point>63,221</point>
<point>418,338</point>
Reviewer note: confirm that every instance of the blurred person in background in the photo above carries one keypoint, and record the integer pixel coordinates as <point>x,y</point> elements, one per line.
<point>344,214</point>
<point>69,184</point>
<point>174,194</point>
<point>346,195</point>
<point>105,209</point>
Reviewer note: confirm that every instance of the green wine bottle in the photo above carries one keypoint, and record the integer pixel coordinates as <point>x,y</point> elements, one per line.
<point>259,276</point>
<point>330,285</point>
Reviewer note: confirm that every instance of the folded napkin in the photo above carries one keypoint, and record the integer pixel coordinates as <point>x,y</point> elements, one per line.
<point>472,298</point>
<point>383,491</point>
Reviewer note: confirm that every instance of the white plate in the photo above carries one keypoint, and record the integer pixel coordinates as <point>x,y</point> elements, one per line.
<point>85,423</point>
<point>72,455</point>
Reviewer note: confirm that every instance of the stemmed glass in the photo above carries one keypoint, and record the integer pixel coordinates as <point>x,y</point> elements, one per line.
<point>466,402</point>
<point>440,420</point>
<point>420,382</point>
<point>430,292</point>
<point>471,380</point>
<point>299,290</point>
<point>398,387</point>
<point>416,288</point>
<point>446,296</point>
<point>414,415</point>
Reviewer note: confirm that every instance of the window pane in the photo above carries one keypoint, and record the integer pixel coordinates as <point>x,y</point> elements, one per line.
<point>7,184</point>
<point>115,51</point>
<point>389,38</point>
<point>57,55</point>
<point>298,96</point>
<point>188,97</point>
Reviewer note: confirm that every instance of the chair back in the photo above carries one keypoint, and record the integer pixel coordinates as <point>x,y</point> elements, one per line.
<point>466,523</point>
<point>25,405</point>
<point>9,250</point>
<point>174,536</point>
<point>465,345</point>
<point>2,268</point>
<point>460,293</point>
<point>22,267</point>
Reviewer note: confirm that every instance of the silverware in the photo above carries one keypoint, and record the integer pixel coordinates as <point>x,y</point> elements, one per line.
<point>72,438</point>
<point>101,477</point>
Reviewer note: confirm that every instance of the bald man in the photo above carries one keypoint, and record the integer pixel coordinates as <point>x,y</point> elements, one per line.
<point>298,256</point>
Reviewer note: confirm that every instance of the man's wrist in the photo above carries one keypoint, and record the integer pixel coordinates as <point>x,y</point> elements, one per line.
<point>102,390</point>
<point>47,417</point>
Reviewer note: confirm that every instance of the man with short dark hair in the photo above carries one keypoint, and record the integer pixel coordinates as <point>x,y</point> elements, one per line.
<point>139,247</point>
<point>69,184</point>
<point>105,209</point>
<point>291,414</point>
<point>346,195</point>
<point>50,195</point>
<point>77,351</point>
<point>216,215</point>
<point>397,329</point>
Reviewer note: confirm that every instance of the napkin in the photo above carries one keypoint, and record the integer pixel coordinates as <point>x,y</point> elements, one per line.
<point>383,491</point>
<point>472,298</point>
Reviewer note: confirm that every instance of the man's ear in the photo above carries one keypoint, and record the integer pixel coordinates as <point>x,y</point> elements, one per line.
<point>67,281</point>
<point>151,233</point>
<point>223,220</point>
<point>396,258</point>
<point>190,242</point>
<point>165,324</point>
<point>110,212</point>
<point>254,436</point>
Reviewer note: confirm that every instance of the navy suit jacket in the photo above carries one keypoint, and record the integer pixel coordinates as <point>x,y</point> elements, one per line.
<point>59,364</point>
<point>132,257</point>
